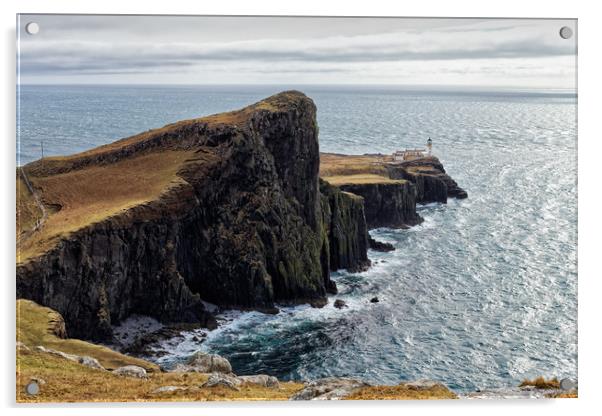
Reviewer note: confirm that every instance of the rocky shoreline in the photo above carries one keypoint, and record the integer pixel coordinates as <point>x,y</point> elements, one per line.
<point>58,365</point>
<point>244,213</point>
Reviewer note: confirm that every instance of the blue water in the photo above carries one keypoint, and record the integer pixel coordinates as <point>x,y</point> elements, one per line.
<point>482,294</point>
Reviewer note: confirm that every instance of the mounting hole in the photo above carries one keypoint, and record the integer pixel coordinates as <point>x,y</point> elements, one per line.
<point>566,32</point>
<point>567,384</point>
<point>32,388</point>
<point>32,28</point>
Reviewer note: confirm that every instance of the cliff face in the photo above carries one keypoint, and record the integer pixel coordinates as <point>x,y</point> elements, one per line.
<point>345,229</point>
<point>387,204</point>
<point>433,184</point>
<point>241,223</point>
<point>390,189</point>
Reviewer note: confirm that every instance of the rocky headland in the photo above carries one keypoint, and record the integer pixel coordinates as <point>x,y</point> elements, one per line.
<point>237,210</point>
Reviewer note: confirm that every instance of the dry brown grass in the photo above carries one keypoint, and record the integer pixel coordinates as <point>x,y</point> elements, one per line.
<point>28,212</point>
<point>85,196</point>
<point>355,169</point>
<point>35,325</point>
<point>541,383</point>
<point>68,381</point>
<point>563,395</point>
<point>341,165</point>
<point>402,392</point>
<point>360,179</point>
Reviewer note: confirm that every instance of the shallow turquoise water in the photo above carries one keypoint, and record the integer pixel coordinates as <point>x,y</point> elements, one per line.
<point>482,294</point>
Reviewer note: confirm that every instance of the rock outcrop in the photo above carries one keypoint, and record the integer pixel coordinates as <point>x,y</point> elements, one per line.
<point>432,183</point>
<point>387,204</point>
<point>390,189</point>
<point>330,388</point>
<point>239,222</point>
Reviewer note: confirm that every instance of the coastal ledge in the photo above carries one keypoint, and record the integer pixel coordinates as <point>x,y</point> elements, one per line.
<point>391,189</point>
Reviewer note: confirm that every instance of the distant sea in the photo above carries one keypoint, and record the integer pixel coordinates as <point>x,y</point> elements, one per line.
<point>482,294</point>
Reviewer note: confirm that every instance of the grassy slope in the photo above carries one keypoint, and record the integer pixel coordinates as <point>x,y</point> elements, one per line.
<point>78,191</point>
<point>35,326</point>
<point>93,193</point>
<point>28,212</point>
<point>350,169</point>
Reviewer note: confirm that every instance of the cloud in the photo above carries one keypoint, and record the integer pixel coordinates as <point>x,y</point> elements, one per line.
<point>107,49</point>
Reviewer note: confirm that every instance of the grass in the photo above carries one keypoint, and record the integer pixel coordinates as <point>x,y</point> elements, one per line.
<point>88,187</point>
<point>365,178</point>
<point>68,381</point>
<point>88,195</point>
<point>28,212</point>
<point>402,392</point>
<point>342,165</point>
<point>36,326</point>
<point>541,383</point>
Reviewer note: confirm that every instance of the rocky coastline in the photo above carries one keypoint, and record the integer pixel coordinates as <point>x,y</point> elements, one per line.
<point>244,213</point>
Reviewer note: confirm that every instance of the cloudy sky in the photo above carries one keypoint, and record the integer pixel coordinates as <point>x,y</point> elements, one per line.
<point>269,50</point>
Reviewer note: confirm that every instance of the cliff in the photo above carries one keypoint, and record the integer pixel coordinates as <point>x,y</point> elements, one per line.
<point>390,189</point>
<point>225,209</point>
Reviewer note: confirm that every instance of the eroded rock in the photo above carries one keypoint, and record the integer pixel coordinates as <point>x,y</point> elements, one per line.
<point>262,380</point>
<point>219,379</point>
<point>330,388</point>
<point>131,371</point>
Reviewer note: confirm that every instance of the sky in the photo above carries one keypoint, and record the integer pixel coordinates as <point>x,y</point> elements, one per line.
<point>466,53</point>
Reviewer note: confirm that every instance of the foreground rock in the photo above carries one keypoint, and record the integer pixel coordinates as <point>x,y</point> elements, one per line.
<point>83,360</point>
<point>330,388</point>
<point>262,380</point>
<point>131,371</point>
<point>235,382</point>
<point>202,362</point>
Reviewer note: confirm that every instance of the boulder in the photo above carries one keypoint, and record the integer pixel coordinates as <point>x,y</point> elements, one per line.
<point>90,362</point>
<point>168,389</point>
<point>330,388</point>
<point>424,384</point>
<point>131,371</point>
<point>202,362</point>
<point>340,304</point>
<point>262,380</point>
<point>374,300</point>
<point>22,347</point>
<point>380,245</point>
<point>83,360</point>
<point>219,379</point>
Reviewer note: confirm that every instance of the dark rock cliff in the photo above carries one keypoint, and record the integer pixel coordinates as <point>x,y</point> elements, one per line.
<point>345,229</point>
<point>245,227</point>
<point>433,184</point>
<point>387,204</point>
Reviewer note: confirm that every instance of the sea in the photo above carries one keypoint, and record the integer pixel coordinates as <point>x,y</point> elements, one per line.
<point>482,294</point>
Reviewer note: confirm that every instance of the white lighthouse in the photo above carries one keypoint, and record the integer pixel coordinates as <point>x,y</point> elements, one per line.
<point>429,146</point>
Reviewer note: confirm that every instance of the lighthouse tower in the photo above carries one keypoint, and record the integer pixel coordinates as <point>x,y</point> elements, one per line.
<point>429,146</point>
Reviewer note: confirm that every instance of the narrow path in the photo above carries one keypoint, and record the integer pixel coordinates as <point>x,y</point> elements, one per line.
<point>38,202</point>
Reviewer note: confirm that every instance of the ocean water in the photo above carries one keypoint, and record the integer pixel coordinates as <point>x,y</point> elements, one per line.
<point>481,295</point>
